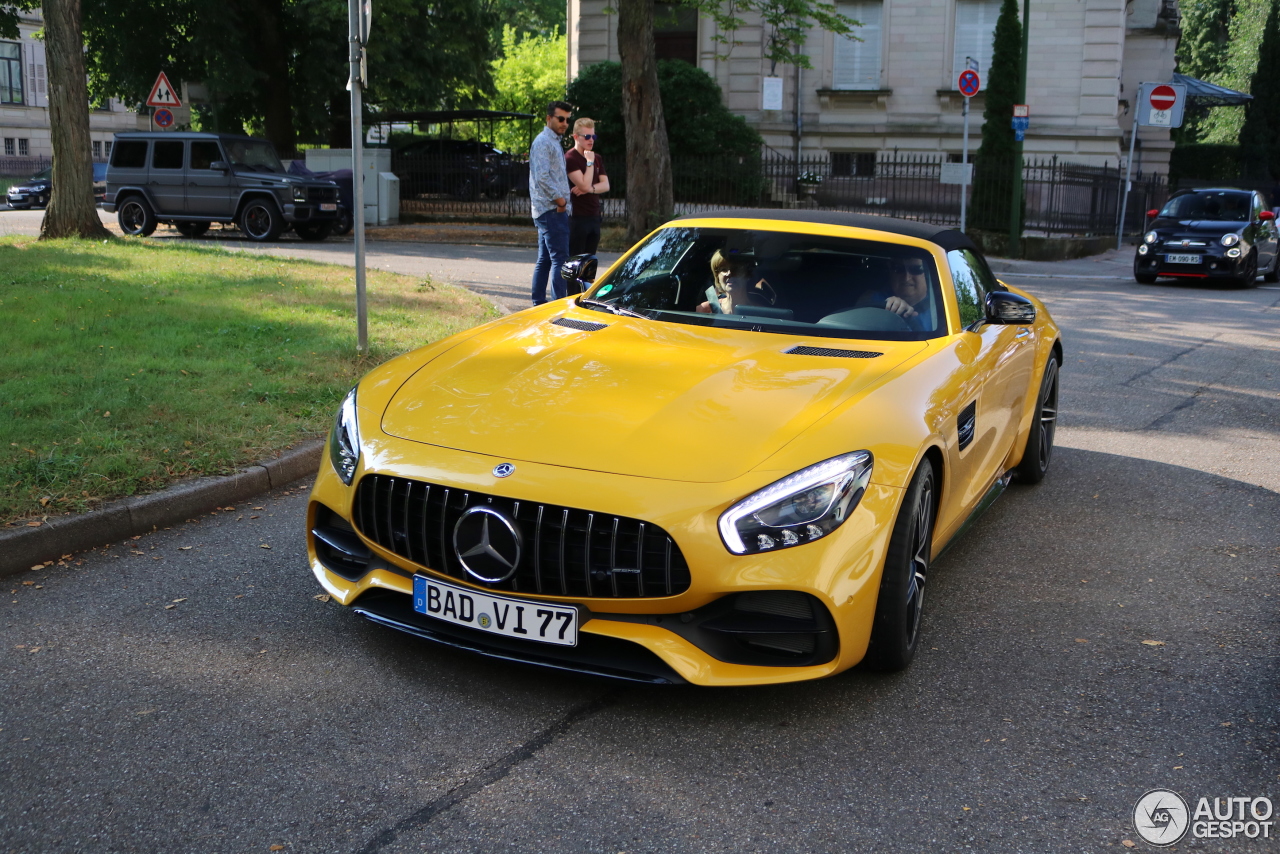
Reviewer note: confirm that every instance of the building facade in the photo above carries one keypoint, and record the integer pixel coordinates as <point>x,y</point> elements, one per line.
<point>24,102</point>
<point>895,88</point>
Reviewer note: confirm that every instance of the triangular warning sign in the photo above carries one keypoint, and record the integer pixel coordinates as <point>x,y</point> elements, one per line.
<point>162,94</point>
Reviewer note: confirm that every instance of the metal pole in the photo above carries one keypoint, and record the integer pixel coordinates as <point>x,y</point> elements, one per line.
<point>964,159</point>
<point>357,174</point>
<point>1015,206</point>
<point>1124,193</point>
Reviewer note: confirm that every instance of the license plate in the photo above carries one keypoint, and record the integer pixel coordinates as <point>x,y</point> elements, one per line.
<point>499,615</point>
<point>1182,259</point>
<point>328,206</point>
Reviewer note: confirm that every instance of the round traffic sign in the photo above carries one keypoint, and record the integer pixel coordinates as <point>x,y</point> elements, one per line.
<point>1163,97</point>
<point>969,83</point>
<point>164,118</point>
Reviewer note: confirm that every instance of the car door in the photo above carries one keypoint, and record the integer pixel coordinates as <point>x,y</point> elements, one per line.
<point>996,362</point>
<point>165,181</point>
<point>209,191</point>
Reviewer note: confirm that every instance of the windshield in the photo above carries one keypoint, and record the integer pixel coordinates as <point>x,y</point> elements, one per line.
<point>253,154</point>
<point>1224,207</point>
<point>43,175</point>
<point>770,281</point>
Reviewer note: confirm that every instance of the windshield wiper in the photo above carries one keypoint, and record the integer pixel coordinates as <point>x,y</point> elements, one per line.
<point>611,308</point>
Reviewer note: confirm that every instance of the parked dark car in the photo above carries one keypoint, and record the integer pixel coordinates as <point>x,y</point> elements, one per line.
<point>193,179</point>
<point>1224,234</point>
<point>464,169</point>
<point>35,190</point>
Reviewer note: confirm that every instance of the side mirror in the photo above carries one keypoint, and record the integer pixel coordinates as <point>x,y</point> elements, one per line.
<point>1266,216</point>
<point>579,272</point>
<point>1153,213</point>
<point>1010,309</point>
<point>220,166</point>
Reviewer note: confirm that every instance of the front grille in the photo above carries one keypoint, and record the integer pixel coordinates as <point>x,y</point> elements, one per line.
<point>804,350</point>
<point>322,194</point>
<point>566,551</point>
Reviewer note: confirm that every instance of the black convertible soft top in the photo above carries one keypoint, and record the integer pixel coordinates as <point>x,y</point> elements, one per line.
<point>947,238</point>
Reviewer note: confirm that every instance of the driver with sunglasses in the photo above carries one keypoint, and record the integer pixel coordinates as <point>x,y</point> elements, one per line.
<point>910,296</point>
<point>587,175</point>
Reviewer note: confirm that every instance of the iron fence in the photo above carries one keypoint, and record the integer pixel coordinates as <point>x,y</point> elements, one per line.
<point>1059,198</point>
<point>13,166</point>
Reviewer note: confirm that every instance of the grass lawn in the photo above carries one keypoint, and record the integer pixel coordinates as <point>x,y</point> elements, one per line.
<point>126,365</point>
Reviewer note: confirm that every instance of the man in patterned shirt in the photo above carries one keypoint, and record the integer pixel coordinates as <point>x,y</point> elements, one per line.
<point>548,195</point>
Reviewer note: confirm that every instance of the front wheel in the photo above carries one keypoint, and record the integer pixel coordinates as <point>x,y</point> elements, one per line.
<point>1141,277</point>
<point>261,221</point>
<point>344,222</point>
<point>1249,273</point>
<point>1044,423</point>
<point>895,634</point>
<point>315,231</point>
<point>135,217</point>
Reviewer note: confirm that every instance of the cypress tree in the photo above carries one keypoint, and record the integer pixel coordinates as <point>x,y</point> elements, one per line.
<point>1260,136</point>
<point>995,155</point>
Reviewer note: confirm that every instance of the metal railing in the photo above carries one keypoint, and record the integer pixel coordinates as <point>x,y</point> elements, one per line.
<point>1059,198</point>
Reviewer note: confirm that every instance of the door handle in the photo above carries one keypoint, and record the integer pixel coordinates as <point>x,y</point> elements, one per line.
<point>1023,332</point>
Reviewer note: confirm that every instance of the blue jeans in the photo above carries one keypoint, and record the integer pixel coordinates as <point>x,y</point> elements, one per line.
<point>553,251</point>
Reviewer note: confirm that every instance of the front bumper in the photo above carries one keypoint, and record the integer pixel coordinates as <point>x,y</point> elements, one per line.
<point>695,636</point>
<point>1213,263</point>
<point>295,213</point>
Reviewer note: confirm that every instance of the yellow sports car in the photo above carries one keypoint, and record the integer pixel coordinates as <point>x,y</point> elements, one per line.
<point>731,461</point>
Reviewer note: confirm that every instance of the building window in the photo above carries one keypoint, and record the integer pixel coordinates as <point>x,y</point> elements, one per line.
<point>853,164</point>
<point>107,147</point>
<point>856,64</point>
<point>24,147</point>
<point>975,31</point>
<point>10,73</point>
<point>97,150</point>
<point>675,32</point>
<point>8,146</point>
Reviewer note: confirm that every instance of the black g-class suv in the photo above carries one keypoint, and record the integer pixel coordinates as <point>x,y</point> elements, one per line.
<point>193,179</point>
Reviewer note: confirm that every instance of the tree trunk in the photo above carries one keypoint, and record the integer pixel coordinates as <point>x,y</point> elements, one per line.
<point>71,211</point>
<point>264,24</point>
<point>649,191</point>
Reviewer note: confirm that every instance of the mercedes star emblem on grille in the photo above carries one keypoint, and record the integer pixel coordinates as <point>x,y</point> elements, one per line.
<point>503,470</point>
<point>487,544</point>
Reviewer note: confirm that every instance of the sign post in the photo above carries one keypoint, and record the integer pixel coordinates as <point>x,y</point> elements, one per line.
<point>969,83</point>
<point>164,99</point>
<point>359,15</point>
<point>1159,105</point>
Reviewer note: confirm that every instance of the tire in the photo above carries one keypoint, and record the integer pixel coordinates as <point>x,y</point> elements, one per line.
<point>1273,275</point>
<point>261,221</point>
<point>1044,424</point>
<point>1142,278</point>
<point>135,217</point>
<point>191,229</point>
<point>1248,277</point>
<point>313,232</point>
<point>344,223</point>
<point>895,634</point>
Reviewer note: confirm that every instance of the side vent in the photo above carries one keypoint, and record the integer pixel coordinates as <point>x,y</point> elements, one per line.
<point>580,325</point>
<point>966,424</point>
<point>802,350</point>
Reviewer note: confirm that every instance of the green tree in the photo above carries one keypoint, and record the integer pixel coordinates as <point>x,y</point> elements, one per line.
<point>1260,136</point>
<point>279,66</point>
<point>527,17</point>
<point>1228,61</point>
<point>527,76</point>
<point>991,193</point>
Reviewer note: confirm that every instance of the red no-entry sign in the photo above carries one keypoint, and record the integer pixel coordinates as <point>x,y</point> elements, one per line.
<point>1163,97</point>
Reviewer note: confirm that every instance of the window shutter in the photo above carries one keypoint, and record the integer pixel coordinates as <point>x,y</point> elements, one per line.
<point>975,31</point>
<point>857,63</point>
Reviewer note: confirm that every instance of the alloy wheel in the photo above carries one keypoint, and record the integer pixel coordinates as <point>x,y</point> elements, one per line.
<point>921,545</point>
<point>133,217</point>
<point>1048,413</point>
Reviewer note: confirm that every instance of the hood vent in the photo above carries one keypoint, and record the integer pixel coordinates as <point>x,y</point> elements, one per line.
<point>580,325</point>
<point>801,350</point>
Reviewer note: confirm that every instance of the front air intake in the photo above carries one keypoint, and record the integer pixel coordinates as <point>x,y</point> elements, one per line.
<point>580,325</point>
<point>802,350</point>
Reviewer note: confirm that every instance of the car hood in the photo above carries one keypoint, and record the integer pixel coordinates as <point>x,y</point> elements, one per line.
<point>637,398</point>
<point>1198,227</point>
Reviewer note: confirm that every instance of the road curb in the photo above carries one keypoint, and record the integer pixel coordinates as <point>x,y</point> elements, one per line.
<point>23,548</point>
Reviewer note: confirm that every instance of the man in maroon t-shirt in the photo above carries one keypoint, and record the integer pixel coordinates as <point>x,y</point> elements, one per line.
<point>587,180</point>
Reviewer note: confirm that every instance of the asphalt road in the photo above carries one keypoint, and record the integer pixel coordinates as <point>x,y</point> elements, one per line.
<point>1109,631</point>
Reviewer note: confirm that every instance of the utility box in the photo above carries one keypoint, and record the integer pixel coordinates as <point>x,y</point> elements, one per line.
<point>388,198</point>
<point>376,160</point>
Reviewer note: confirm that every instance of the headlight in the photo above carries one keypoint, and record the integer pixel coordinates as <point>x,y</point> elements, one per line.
<point>1151,237</point>
<point>1230,239</point>
<point>344,439</point>
<point>299,194</point>
<point>798,509</point>
<point>14,190</point>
